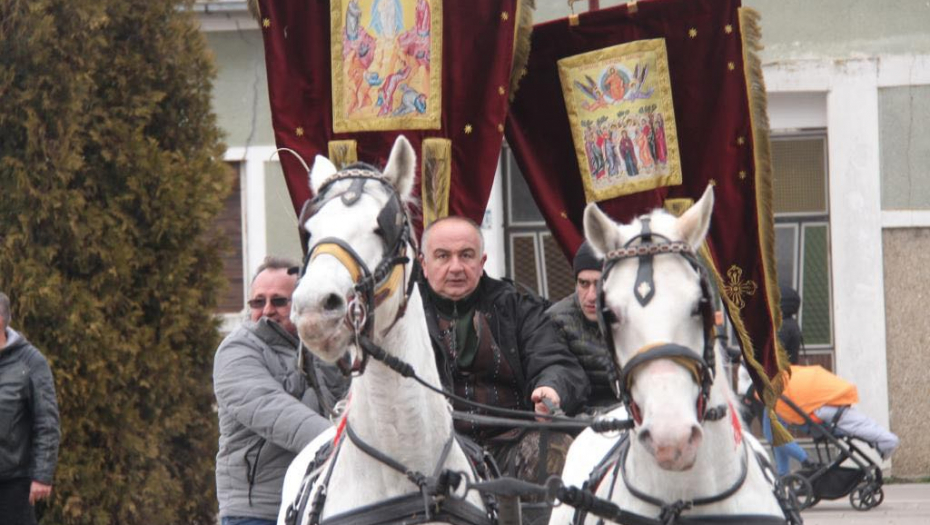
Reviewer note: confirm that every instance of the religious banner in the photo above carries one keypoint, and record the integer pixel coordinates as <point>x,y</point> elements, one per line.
<point>388,55</point>
<point>346,77</point>
<point>642,106</point>
<point>619,121</point>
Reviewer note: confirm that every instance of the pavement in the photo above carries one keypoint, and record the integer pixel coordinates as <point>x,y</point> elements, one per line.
<point>904,504</point>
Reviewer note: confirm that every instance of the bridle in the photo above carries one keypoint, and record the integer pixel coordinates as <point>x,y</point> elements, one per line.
<point>371,288</point>
<point>701,366</point>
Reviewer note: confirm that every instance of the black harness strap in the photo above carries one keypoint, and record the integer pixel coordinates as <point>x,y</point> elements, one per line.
<point>408,509</point>
<point>645,287</point>
<point>672,510</point>
<point>319,500</point>
<point>434,491</point>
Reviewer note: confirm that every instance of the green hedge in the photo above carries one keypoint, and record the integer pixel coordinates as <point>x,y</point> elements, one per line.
<point>110,177</point>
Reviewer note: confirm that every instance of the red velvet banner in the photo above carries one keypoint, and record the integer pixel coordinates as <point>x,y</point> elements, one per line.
<point>472,73</point>
<point>720,125</point>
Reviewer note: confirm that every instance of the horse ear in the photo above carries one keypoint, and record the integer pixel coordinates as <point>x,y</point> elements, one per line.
<point>600,230</point>
<point>694,223</point>
<point>322,170</point>
<point>401,166</point>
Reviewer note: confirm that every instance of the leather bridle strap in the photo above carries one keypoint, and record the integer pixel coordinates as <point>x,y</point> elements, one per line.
<point>671,511</point>
<point>645,287</point>
<point>343,253</point>
<point>417,478</point>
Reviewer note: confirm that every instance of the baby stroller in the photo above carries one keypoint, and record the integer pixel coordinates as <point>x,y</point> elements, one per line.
<point>829,479</point>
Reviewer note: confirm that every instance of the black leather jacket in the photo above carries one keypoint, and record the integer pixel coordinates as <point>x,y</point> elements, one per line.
<point>29,431</point>
<point>528,337</point>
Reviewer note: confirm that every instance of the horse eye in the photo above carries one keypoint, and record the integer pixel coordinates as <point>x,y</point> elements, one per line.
<point>379,232</point>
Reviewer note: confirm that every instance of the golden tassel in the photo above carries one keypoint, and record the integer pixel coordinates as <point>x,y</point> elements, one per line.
<point>521,43</point>
<point>342,153</point>
<point>755,89</point>
<point>436,175</point>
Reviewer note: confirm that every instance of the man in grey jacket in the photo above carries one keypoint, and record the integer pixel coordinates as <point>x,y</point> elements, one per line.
<point>269,410</point>
<point>29,432</point>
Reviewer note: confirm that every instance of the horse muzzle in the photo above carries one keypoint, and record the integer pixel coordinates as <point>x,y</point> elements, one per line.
<point>323,332</point>
<point>674,449</point>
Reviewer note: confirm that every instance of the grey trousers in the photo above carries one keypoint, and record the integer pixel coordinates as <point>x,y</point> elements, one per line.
<point>858,425</point>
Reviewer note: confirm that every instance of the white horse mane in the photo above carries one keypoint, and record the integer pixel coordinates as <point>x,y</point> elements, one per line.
<point>392,414</point>
<point>672,455</point>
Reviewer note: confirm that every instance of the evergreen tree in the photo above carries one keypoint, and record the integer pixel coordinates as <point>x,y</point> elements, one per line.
<point>110,177</point>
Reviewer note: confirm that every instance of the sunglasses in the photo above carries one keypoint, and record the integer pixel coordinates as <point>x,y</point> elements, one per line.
<point>277,302</point>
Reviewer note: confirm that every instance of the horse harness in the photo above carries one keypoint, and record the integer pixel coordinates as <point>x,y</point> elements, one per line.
<point>702,368</point>
<point>434,499</point>
<point>613,462</point>
<point>371,287</point>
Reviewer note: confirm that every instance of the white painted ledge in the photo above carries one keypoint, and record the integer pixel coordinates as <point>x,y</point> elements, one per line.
<point>906,219</point>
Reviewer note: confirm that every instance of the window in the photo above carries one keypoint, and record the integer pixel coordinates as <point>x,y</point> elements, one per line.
<point>535,259</point>
<point>802,236</point>
<point>229,225</point>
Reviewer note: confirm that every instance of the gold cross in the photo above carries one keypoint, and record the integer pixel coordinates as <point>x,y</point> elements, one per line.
<point>736,288</point>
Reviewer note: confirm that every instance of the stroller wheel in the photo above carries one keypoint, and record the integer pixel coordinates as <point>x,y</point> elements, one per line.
<point>866,496</point>
<point>799,489</point>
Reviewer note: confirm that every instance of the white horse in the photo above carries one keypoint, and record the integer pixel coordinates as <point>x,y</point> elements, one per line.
<point>687,454</point>
<point>365,212</point>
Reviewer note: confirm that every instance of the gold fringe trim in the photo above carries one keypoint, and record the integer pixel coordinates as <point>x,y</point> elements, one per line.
<point>343,153</point>
<point>521,43</point>
<point>436,176</point>
<point>255,10</point>
<point>755,88</point>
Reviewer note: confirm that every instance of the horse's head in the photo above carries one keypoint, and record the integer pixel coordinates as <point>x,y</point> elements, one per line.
<point>655,306</point>
<point>358,251</point>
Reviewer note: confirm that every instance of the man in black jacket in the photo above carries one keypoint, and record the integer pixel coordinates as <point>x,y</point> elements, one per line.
<point>29,432</point>
<point>496,346</point>
<point>576,317</point>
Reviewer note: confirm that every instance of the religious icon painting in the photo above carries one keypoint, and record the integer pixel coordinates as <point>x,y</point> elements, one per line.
<point>386,64</point>
<point>619,102</point>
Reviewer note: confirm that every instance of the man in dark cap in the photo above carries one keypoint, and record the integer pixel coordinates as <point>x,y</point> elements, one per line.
<point>576,317</point>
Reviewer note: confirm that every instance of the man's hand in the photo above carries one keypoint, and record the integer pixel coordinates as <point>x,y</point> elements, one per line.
<point>544,392</point>
<point>38,491</point>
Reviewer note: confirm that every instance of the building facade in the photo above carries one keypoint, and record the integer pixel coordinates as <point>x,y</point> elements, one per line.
<point>848,84</point>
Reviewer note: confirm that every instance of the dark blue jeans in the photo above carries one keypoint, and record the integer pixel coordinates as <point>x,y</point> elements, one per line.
<point>14,502</point>
<point>236,520</point>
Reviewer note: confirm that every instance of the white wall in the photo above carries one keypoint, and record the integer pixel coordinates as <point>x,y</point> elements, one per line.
<point>843,97</point>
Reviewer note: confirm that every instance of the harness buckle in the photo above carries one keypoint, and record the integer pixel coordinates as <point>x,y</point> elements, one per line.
<point>356,314</point>
<point>672,511</point>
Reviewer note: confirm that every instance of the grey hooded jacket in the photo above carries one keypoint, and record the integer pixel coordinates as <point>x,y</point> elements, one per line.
<point>268,413</point>
<point>29,426</point>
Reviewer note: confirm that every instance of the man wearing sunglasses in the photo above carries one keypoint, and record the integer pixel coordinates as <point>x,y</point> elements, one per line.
<point>269,410</point>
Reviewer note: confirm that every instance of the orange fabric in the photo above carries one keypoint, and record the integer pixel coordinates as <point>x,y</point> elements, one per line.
<point>812,387</point>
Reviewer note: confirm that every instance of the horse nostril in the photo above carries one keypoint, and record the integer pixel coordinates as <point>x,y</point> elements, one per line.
<point>333,302</point>
<point>645,437</point>
<point>696,435</point>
